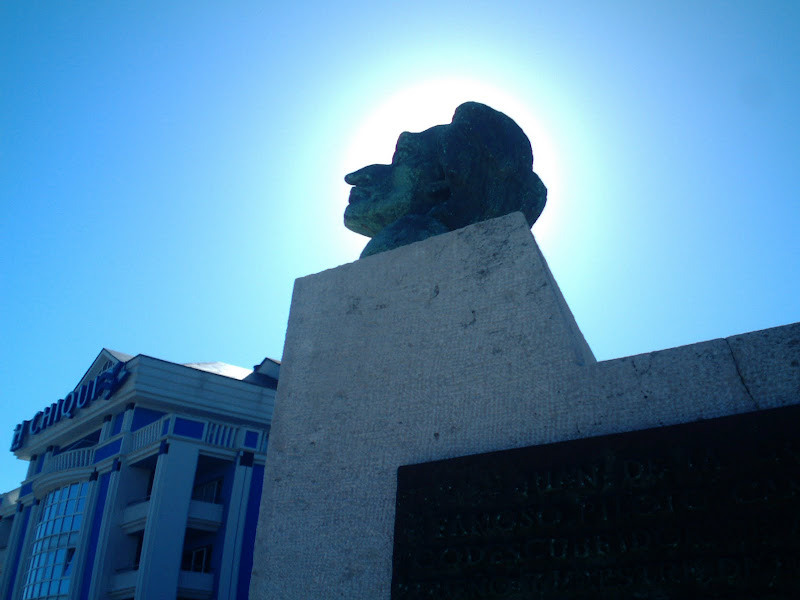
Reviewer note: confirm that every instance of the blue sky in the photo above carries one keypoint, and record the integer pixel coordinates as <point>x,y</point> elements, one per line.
<point>168,169</point>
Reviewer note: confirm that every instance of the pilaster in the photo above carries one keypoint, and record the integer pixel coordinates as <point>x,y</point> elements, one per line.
<point>19,544</point>
<point>234,531</point>
<point>162,545</point>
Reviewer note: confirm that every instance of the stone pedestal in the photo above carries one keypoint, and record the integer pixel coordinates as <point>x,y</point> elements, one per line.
<point>457,345</point>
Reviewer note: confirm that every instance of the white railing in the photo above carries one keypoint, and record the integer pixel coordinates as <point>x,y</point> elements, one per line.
<point>221,435</point>
<point>146,435</point>
<point>72,459</point>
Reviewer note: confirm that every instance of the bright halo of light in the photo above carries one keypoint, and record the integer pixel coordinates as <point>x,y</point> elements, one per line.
<point>423,105</point>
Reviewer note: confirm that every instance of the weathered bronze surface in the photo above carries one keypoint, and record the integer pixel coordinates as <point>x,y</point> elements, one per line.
<point>444,178</point>
<point>702,510</point>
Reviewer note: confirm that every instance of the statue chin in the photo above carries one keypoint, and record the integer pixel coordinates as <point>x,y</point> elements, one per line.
<point>406,230</point>
<point>354,220</point>
<point>371,214</point>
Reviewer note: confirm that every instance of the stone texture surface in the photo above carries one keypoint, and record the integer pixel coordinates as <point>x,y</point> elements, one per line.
<point>456,345</point>
<point>447,177</point>
<point>768,364</point>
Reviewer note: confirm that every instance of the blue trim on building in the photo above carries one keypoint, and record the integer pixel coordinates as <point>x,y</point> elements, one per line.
<point>219,541</point>
<point>117,426</point>
<point>251,439</point>
<point>188,428</point>
<point>142,417</point>
<point>109,449</point>
<point>26,489</point>
<point>97,519</point>
<point>247,459</point>
<point>249,538</point>
<point>20,543</point>
<point>101,548</point>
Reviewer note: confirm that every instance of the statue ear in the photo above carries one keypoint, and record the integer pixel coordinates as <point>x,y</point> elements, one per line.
<point>456,154</point>
<point>438,189</point>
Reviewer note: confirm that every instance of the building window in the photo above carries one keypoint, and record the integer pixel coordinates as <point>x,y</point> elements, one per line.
<point>197,560</point>
<point>208,491</point>
<point>85,442</point>
<point>55,539</point>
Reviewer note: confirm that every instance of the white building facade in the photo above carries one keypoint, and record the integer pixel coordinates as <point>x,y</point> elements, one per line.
<point>144,483</point>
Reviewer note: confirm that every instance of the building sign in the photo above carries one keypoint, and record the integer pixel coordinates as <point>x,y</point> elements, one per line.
<point>104,385</point>
<point>701,510</point>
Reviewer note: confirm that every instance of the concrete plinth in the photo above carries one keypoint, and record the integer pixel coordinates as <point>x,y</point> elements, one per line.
<point>456,345</point>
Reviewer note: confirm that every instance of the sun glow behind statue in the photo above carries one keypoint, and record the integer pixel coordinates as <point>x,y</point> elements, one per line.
<point>433,102</point>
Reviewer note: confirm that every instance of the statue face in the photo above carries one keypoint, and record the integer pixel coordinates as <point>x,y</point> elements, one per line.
<point>447,177</point>
<point>412,184</point>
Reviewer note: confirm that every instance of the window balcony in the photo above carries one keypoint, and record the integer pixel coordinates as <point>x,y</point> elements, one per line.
<point>198,586</point>
<point>205,516</point>
<point>134,516</point>
<point>123,583</point>
<point>72,459</point>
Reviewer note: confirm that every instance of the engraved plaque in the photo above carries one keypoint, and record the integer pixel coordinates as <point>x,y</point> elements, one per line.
<point>702,510</point>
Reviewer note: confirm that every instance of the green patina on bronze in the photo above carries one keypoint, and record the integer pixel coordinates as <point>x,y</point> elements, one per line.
<point>478,167</point>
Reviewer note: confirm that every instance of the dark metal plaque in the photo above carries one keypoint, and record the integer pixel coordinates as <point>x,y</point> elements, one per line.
<point>701,510</point>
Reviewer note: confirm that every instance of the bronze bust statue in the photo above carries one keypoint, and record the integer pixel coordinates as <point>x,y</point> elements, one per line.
<point>449,176</point>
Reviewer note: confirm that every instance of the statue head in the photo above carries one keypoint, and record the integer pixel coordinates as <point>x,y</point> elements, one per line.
<point>449,176</point>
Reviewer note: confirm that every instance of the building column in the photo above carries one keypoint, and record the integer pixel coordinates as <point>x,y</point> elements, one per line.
<point>168,513</point>
<point>234,529</point>
<point>105,430</point>
<point>32,467</point>
<point>127,419</point>
<point>18,551</point>
<point>98,524</point>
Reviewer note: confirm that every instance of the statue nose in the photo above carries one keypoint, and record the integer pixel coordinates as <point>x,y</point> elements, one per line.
<point>368,175</point>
